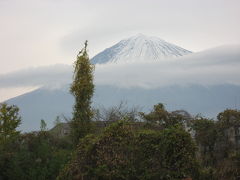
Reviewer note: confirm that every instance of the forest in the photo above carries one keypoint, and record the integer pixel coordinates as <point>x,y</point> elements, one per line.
<point>119,142</point>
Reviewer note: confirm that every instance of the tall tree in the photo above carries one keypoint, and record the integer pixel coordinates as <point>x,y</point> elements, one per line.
<point>82,89</point>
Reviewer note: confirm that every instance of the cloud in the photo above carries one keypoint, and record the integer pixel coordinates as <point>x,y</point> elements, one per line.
<point>37,76</point>
<point>215,66</point>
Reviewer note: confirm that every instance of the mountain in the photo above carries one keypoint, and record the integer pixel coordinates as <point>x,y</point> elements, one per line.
<point>139,48</point>
<point>47,104</point>
<point>205,82</point>
<point>42,103</point>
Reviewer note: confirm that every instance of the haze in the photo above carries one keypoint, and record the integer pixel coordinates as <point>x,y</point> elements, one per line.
<point>45,32</point>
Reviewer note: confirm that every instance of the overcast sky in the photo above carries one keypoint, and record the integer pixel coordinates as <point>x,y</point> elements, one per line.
<point>45,32</point>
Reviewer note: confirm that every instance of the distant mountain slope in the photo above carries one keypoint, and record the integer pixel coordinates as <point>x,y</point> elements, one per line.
<point>47,104</point>
<point>139,48</point>
<point>42,104</point>
<point>205,82</point>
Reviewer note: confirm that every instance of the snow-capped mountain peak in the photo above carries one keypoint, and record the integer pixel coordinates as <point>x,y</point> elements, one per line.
<point>139,48</point>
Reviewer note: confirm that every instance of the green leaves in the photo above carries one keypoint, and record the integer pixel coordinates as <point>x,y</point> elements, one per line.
<point>82,89</point>
<point>36,155</point>
<point>164,119</point>
<point>123,151</point>
<point>166,154</point>
<point>9,121</point>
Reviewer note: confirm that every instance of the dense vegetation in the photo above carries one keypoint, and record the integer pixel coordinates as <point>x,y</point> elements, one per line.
<point>120,143</point>
<point>155,145</point>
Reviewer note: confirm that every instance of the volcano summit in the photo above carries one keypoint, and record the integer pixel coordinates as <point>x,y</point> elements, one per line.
<point>139,48</point>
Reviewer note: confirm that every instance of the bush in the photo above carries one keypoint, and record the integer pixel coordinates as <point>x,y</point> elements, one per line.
<point>123,152</point>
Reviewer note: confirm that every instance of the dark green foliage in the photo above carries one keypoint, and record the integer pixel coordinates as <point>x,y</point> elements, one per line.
<point>123,152</point>
<point>229,118</point>
<point>82,89</point>
<point>34,156</point>
<point>228,151</point>
<point>114,152</point>
<point>167,154</point>
<point>206,135</point>
<point>160,116</point>
<point>160,147</point>
<point>229,168</point>
<point>218,145</point>
<point>157,116</point>
<point>163,150</point>
<point>9,121</point>
<point>107,156</point>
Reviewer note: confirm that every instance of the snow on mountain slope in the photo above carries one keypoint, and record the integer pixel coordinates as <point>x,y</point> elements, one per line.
<point>139,48</point>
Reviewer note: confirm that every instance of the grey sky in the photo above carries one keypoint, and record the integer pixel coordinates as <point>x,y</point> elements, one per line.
<point>44,32</point>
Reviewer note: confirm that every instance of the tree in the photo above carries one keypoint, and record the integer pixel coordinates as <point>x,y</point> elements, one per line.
<point>82,89</point>
<point>166,154</point>
<point>229,118</point>
<point>35,155</point>
<point>9,121</point>
<point>160,116</point>
<point>206,134</point>
<point>228,161</point>
<point>116,113</point>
